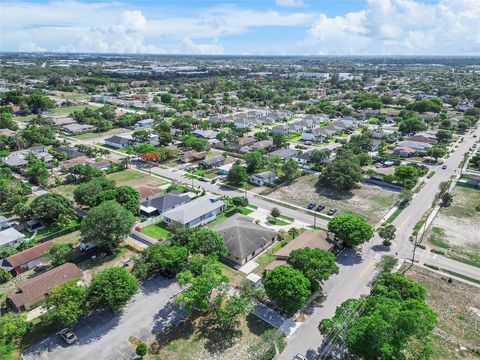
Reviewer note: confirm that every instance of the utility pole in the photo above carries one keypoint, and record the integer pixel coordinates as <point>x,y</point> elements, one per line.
<point>314,219</point>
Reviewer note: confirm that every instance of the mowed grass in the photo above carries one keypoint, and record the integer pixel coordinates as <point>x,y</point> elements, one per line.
<point>96,135</point>
<point>134,178</point>
<point>157,231</point>
<point>65,190</point>
<point>464,202</point>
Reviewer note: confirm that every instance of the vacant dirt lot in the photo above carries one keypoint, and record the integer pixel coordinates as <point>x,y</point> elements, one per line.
<point>135,178</point>
<point>369,201</point>
<point>458,309</point>
<point>453,229</point>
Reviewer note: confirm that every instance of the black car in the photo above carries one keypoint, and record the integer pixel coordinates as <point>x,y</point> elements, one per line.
<point>320,207</point>
<point>311,206</point>
<point>331,212</point>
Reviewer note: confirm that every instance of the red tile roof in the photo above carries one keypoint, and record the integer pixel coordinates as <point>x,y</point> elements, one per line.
<point>28,255</point>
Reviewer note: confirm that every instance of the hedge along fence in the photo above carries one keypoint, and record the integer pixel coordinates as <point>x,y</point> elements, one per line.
<point>383,184</point>
<point>59,233</point>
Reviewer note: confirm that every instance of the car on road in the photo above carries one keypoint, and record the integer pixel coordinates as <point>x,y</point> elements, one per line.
<point>204,179</point>
<point>444,167</point>
<point>68,336</point>
<point>299,357</point>
<point>311,206</point>
<point>320,207</point>
<point>331,212</point>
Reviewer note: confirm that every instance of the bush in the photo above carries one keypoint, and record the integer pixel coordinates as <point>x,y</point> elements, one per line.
<point>141,349</point>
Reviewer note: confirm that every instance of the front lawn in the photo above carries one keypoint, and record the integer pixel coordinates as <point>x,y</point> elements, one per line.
<point>277,221</point>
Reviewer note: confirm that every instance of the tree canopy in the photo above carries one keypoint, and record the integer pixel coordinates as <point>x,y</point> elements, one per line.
<point>341,174</point>
<point>351,229</point>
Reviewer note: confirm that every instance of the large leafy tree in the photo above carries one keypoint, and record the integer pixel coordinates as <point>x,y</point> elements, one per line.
<point>111,289</point>
<point>107,225</point>
<point>207,242</point>
<point>51,206</point>
<point>290,169</point>
<point>341,174</point>
<point>37,172</point>
<point>160,257</point>
<point>86,193</point>
<point>237,174</point>
<point>393,322</point>
<point>288,286</point>
<point>352,229</point>
<point>66,303</point>
<point>254,161</point>
<point>387,233</point>
<point>129,198</point>
<point>315,264</point>
<point>12,326</point>
<point>200,278</point>
<point>230,308</point>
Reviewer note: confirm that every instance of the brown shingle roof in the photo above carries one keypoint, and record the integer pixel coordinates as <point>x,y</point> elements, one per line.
<point>29,254</point>
<point>309,238</point>
<point>34,289</point>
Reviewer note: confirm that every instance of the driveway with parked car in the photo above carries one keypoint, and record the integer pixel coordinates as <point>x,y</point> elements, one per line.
<point>105,335</point>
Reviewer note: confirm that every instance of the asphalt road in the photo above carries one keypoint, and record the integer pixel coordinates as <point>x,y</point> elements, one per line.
<point>105,335</point>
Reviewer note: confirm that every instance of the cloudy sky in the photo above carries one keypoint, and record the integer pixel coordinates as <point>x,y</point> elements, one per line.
<point>269,27</point>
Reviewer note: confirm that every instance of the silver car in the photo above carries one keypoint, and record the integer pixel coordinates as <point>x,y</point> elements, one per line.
<point>68,335</point>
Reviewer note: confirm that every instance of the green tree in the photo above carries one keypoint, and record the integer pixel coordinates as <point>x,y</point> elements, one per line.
<point>160,257</point>
<point>254,161</point>
<point>107,225</point>
<point>166,98</point>
<point>66,303</point>
<point>275,213</point>
<point>229,309</point>
<point>141,135</point>
<point>293,232</point>
<point>407,175</point>
<point>315,264</point>
<point>111,289</point>
<point>239,201</point>
<point>352,229</point>
<point>447,199</point>
<point>279,141</point>
<point>207,242</point>
<point>288,286</point>
<point>200,278</point>
<point>51,206</point>
<point>437,152</point>
<point>141,349</point>
<point>37,172</point>
<point>444,136</point>
<point>58,253</point>
<point>86,193</point>
<point>5,276</point>
<point>237,174</point>
<point>387,233</point>
<point>129,198</point>
<point>290,169</point>
<point>13,326</point>
<point>341,174</point>
<point>83,173</point>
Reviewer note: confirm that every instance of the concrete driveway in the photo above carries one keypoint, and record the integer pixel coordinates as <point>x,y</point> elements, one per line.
<point>105,335</point>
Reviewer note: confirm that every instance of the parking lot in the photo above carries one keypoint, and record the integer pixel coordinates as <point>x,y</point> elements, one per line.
<point>105,335</point>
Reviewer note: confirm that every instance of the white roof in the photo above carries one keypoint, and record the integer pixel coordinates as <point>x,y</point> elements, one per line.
<point>194,209</point>
<point>254,277</point>
<point>10,235</point>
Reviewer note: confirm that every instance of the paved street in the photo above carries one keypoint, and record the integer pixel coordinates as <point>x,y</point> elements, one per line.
<point>105,335</point>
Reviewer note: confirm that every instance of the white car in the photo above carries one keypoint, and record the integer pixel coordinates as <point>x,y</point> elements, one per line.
<point>68,335</point>
<point>299,357</point>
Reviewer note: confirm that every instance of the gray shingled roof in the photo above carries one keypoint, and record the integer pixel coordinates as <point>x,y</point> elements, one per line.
<point>190,211</point>
<point>167,201</point>
<point>242,236</point>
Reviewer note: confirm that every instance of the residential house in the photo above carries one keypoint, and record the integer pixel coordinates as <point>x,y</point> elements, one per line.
<point>243,238</point>
<point>27,259</point>
<point>423,137</point>
<point>163,203</point>
<point>308,238</point>
<point>40,152</point>
<point>264,178</point>
<point>72,153</point>
<point>15,160</point>
<point>404,151</point>
<point>224,169</point>
<point>192,155</point>
<point>59,121</point>
<point>212,162</point>
<point>145,124</point>
<point>205,134</point>
<point>33,290</point>
<point>259,145</point>
<point>197,212</point>
<point>284,154</point>
<point>118,142</point>
<point>244,123</point>
<point>147,191</point>
<point>419,147</point>
<point>102,164</point>
<point>4,223</point>
<point>75,129</point>
<point>282,129</point>
<point>11,237</point>
<point>245,142</point>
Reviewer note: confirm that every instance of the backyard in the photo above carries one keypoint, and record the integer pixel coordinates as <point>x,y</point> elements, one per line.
<point>156,231</point>
<point>371,202</point>
<point>451,230</point>
<point>458,309</point>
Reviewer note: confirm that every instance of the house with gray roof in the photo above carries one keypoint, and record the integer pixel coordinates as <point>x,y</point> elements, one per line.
<point>11,237</point>
<point>284,154</point>
<point>163,203</point>
<point>205,134</point>
<point>264,178</point>
<point>118,141</point>
<point>243,238</point>
<point>212,161</point>
<point>74,129</point>
<point>197,212</point>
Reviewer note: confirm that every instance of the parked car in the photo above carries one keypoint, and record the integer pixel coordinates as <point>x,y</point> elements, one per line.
<point>320,207</point>
<point>444,167</point>
<point>299,357</point>
<point>204,179</point>
<point>311,206</point>
<point>308,142</point>
<point>331,212</point>
<point>68,335</point>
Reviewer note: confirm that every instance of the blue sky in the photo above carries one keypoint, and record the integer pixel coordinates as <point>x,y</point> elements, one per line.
<point>264,27</point>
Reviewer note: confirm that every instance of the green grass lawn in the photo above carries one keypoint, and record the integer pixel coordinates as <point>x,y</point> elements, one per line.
<point>61,111</point>
<point>134,178</point>
<point>277,221</point>
<point>245,211</point>
<point>157,231</point>
<point>96,135</point>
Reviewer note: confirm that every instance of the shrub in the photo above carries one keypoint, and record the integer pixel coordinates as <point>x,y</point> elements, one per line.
<point>141,349</point>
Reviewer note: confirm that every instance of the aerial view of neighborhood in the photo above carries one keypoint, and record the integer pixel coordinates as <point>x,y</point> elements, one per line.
<point>219,196</point>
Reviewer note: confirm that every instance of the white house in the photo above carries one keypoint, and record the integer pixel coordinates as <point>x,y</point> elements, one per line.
<point>144,124</point>
<point>11,237</point>
<point>118,141</point>
<point>263,178</point>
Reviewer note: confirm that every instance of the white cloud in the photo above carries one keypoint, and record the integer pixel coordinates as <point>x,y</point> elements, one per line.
<point>392,27</point>
<point>289,3</point>
<point>189,47</point>
<point>29,46</point>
